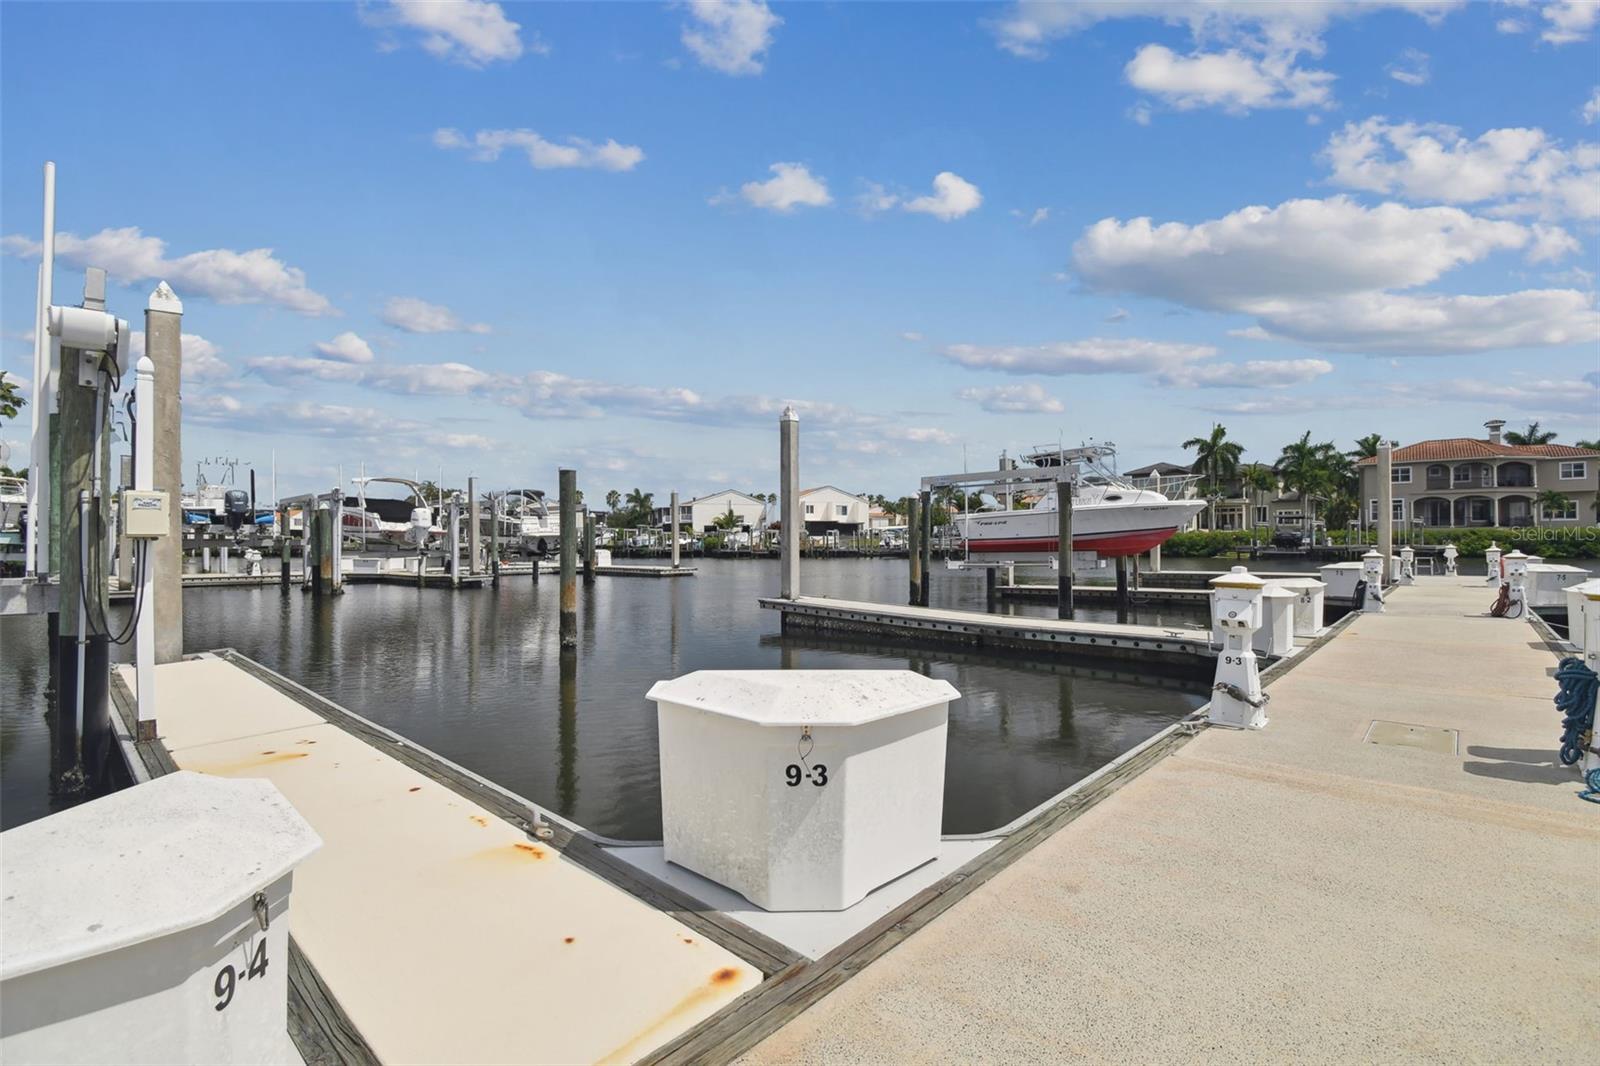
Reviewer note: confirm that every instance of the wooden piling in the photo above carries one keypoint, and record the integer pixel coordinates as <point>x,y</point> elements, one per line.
<point>569,558</point>
<point>991,581</point>
<point>283,550</point>
<point>927,548</point>
<point>494,544</point>
<point>588,548</point>
<point>474,521</point>
<point>1122,589</point>
<point>792,526</point>
<point>675,548</point>
<point>914,550</point>
<point>1063,549</point>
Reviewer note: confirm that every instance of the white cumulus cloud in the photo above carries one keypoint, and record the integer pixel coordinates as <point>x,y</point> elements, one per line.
<point>473,33</point>
<point>415,315</point>
<point>1251,374</point>
<point>791,185</point>
<point>1321,271</point>
<point>1591,108</point>
<point>953,196</point>
<point>1013,399</point>
<point>1519,171</point>
<point>1232,80</point>
<point>1093,355</point>
<point>221,274</point>
<point>731,36</point>
<point>347,347</point>
<point>486,146</point>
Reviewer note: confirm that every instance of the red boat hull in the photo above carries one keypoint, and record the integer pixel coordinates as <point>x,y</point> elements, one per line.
<point>1106,545</point>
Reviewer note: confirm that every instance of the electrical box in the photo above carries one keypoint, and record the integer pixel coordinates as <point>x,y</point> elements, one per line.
<point>145,513</point>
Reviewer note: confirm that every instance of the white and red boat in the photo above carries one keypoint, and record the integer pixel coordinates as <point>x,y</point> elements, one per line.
<point>1111,515</point>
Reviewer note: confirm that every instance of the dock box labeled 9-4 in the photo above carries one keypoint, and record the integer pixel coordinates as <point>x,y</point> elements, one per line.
<point>144,513</point>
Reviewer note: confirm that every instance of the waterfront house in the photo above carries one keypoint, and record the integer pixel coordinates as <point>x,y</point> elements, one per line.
<point>828,509</point>
<point>1470,481</point>
<point>700,514</point>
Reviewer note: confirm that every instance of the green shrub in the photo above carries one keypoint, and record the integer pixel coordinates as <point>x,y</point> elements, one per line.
<point>1204,542</point>
<point>1582,542</point>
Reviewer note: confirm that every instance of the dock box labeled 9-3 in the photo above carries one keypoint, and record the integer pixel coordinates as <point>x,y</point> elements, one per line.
<point>144,513</point>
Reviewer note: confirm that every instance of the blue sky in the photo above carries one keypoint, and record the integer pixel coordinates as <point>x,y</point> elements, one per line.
<point>509,237</point>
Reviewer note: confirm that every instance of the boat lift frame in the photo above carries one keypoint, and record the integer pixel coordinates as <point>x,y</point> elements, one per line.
<point>1064,476</point>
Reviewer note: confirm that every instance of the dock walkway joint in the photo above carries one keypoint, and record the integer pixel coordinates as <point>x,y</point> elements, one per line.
<point>1295,894</point>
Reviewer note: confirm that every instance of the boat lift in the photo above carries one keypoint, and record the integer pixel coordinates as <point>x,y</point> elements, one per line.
<point>1064,475</point>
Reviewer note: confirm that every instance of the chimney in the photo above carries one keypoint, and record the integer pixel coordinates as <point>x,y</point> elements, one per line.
<point>1494,425</point>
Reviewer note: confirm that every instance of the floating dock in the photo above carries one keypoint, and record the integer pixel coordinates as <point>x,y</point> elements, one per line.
<point>1183,647</point>
<point>1394,869</point>
<point>436,924</point>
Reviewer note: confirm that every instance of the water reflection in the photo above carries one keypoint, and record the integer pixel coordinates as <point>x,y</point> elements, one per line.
<point>478,677</point>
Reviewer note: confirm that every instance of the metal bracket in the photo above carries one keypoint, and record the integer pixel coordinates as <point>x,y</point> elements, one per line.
<point>88,369</point>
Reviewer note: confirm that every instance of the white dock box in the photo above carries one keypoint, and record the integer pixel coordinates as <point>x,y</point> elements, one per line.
<point>1578,607</point>
<point>1309,593</point>
<point>1548,583</point>
<point>152,926</point>
<point>1341,580</point>
<point>802,789</point>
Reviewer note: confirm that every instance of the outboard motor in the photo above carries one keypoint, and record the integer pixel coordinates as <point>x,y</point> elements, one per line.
<point>236,509</point>
<point>421,526</point>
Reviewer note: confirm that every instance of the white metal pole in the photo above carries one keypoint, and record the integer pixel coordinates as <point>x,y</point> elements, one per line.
<point>38,528</point>
<point>144,467</point>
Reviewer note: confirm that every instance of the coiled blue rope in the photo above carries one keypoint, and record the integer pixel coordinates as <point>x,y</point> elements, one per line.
<point>1592,779</point>
<point>1580,686</point>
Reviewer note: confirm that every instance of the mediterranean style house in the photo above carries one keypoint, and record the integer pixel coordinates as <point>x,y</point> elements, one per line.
<point>1467,481</point>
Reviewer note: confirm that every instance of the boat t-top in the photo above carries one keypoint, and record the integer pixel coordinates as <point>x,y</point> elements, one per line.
<point>1111,515</point>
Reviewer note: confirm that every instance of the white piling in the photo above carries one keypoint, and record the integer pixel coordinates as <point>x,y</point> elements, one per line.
<point>144,470</point>
<point>1451,554</point>
<point>1408,565</point>
<point>1491,559</point>
<point>792,526</point>
<point>1517,578</point>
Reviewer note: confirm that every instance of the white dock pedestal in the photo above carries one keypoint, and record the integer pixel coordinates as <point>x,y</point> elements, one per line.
<point>802,789</point>
<point>152,926</point>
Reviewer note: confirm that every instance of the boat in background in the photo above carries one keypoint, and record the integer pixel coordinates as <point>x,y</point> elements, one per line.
<point>408,521</point>
<point>1111,515</point>
<point>524,520</point>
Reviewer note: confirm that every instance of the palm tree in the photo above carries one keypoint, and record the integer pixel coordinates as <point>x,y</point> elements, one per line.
<point>1532,435</point>
<point>612,499</point>
<point>1260,480</point>
<point>1307,469</point>
<point>727,521</point>
<point>1366,447</point>
<point>1591,445</point>
<point>1216,458</point>
<point>640,507</point>
<point>1550,500</point>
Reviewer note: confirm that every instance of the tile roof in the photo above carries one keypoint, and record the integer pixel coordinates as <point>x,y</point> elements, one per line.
<point>1428,451</point>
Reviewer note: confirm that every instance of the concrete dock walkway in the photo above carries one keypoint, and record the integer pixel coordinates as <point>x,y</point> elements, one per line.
<point>1301,893</point>
<point>445,932</point>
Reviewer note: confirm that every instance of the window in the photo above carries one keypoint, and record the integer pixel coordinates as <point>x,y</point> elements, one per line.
<point>842,510</point>
<point>1569,513</point>
<point>1578,471</point>
<point>1463,475</point>
<point>1400,475</point>
<point>1290,518</point>
<point>810,509</point>
<point>1261,516</point>
<point>1438,470</point>
<point>1399,504</point>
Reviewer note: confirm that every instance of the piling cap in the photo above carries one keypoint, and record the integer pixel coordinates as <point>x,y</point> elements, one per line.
<point>1372,553</point>
<point>1514,553</point>
<point>804,697</point>
<point>789,415</point>
<point>1493,547</point>
<point>1238,578</point>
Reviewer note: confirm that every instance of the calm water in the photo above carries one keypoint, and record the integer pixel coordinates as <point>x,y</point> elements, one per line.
<point>477,677</point>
